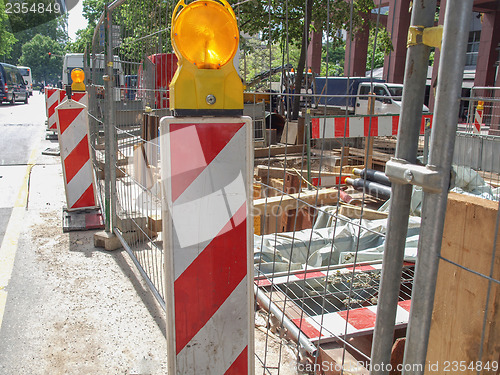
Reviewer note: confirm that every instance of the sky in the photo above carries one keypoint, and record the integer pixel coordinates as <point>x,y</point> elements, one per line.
<point>76,21</point>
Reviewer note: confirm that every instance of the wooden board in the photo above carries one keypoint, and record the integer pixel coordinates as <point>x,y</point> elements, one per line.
<point>460,300</point>
<point>282,204</point>
<point>277,150</point>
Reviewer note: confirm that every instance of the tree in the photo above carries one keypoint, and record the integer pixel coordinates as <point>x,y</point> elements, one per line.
<point>7,39</point>
<point>35,54</point>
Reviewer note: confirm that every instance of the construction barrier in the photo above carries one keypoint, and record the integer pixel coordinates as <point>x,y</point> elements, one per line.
<point>52,100</point>
<point>54,97</point>
<point>478,118</point>
<point>72,126</point>
<point>206,166</point>
<point>359,126</point>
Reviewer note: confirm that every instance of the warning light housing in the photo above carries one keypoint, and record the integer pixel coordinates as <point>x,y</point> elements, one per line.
<point>205,38</point>
<point>78,77</point>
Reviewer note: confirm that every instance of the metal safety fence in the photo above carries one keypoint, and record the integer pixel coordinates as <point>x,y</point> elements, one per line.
<point>336,242</point>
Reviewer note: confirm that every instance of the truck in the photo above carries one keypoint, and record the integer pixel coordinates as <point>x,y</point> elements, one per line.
<point>351,94</point>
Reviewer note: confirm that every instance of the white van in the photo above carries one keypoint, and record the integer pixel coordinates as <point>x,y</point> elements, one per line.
<point>26,73</point>
<point>388,99</point>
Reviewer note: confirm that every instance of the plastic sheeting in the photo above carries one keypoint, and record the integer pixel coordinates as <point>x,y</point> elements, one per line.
<point>329,242</point>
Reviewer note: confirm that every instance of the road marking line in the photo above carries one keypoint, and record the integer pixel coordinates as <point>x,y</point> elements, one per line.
<point>12,233</point>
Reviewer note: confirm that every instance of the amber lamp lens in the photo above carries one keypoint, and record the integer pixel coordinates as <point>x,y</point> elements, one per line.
<point>206,34</point>
<point>77,75</point>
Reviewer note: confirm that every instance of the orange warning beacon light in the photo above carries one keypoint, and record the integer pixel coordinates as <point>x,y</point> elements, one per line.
<point>205,38</point>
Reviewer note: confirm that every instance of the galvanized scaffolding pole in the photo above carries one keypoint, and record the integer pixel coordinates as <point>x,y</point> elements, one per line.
<point>109,126</point>
<point>417,61</point>
<point>452,61</point>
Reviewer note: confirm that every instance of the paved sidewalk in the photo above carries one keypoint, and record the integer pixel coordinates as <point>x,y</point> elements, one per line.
<point>72,308</point>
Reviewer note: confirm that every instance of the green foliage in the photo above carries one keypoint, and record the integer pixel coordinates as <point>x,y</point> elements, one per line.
<point>35,54</point>
<point>7,39</point>
<point>333,60</point>
<point>383,47</point>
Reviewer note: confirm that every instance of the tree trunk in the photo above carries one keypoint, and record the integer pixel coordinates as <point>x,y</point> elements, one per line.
<point>299,75</point>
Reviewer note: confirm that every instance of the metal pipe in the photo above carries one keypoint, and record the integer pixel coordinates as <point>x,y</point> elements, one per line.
<point>372,175</point>
<point>111,158</point>
<point>372,188</point>
<point>417,60</point>
<point>291,328</point>
<point>451,66</point>
<point>107,136</point>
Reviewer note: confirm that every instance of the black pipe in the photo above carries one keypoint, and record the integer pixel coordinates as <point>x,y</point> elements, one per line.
<point>373,175</point>
<point>373,188</point>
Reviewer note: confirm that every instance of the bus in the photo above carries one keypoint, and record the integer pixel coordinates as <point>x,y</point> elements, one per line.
<point>26,73</point>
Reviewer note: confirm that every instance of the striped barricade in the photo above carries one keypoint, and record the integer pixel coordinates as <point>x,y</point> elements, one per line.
<point>359,126</point>
<point>348,322</point>
<point>79,184</point>
<point>52,100</point>
<point>206,166</point>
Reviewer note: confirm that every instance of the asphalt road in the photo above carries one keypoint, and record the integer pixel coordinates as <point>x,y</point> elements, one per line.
<point>66,307</point>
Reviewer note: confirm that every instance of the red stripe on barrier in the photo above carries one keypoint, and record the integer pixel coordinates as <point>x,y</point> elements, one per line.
<point>67,116</point>
<point>307,328</point>
<point>315,128</point>
<point>76,159</point>
<point>52,108</point>
<point>263,282</point>
<point>62,95</point>
<point>341,127</point>
<point>210,279</point>
<point>309,275</point>
<point>240,365</point>
<point>371,131</point>
<point>87,199</point>
<point>78,96</point>
<point>361,268</point>
<point>405,304</point>
<point>395,125</point>
<point>360,318</point>
<point>212,137</point>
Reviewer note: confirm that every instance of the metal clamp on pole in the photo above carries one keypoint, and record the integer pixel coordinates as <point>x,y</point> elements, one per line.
<point>402,172</point>
<point>430,36</point>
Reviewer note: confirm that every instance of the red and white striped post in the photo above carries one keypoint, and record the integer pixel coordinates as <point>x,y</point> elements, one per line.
<point>206,167</point>
<point>478,118</point>
<point>79,184</point>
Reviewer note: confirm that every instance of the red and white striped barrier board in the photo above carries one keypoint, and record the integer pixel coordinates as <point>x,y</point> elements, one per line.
<point>352,322</point>
<point>72,125</point>
<point>207,166</point>
<point>359,126</point>
<point>478,120</point>
<point>54,97</point>
<point>52,100</point>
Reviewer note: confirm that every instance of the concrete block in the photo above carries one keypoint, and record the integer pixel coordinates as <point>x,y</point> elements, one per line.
<point>106,240</point>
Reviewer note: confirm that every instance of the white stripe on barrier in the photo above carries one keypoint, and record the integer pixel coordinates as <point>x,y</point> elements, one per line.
<point>77,186</point>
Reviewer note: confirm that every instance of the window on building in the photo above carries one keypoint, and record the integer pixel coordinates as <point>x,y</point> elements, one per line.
<point>472,48</point>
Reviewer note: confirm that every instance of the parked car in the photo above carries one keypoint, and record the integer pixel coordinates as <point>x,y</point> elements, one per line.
<point>12,85</point>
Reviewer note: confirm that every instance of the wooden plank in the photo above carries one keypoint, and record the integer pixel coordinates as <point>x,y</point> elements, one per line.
<point>277,205</point>
<point>460,300</point>
<point>379,156</point>
<point>264,152</point>
<point>274,172</point>
<point>338,360</point>
<point>354,212</point>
